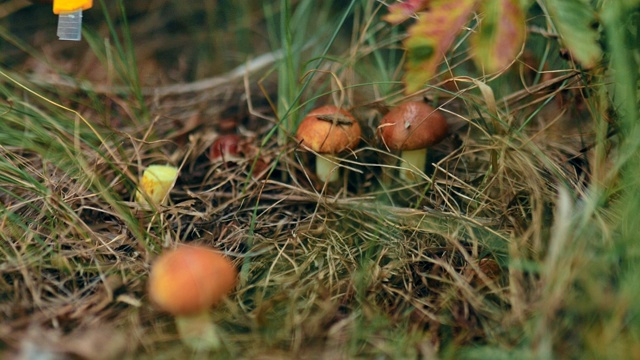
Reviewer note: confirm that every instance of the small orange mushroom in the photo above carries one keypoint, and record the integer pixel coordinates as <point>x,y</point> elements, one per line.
<point>187,282</point>
<point>328,130</point>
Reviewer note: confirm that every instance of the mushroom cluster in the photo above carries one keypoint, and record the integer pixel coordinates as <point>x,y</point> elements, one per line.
<point>409,128</point>
<point>328,131</point>
<point>187,281</point>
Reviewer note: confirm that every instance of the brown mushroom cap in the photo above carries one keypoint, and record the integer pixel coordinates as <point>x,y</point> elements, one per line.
<point>190,279</point>
<point>323,135</point>
<point>413,125</point>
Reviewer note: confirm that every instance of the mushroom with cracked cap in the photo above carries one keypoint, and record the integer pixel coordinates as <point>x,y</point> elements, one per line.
<point>328,131</point>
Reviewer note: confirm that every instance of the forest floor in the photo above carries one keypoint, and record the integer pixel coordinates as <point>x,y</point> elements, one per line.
<point>509,244</point>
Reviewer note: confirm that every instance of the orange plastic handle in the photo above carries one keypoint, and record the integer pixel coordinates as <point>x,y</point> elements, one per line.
<point>64,6</point>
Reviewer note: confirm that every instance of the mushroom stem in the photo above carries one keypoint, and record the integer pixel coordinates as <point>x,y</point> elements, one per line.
<point>327,168</point>
<point>412,160</point>
<point>198,331</point>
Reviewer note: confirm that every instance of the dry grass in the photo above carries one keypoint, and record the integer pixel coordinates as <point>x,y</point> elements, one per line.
<point>371,267</point>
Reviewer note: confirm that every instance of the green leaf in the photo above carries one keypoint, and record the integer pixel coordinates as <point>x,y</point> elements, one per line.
<point>630,4</point>
<point>525,4</point>
<point>431,37</point>
<point>573,20</point>
<point>500,36</point>
<point>401,11</point>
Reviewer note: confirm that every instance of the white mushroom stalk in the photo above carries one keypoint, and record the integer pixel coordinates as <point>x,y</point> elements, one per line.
<point>327,168</point>
<point>198,331</point>
<point>413,164</point>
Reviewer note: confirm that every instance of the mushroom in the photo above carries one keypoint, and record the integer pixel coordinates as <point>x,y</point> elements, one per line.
<point>225,148</point>
<point>156,183</point>
<point>411,128</point>
<point>328,130</point>
<point>186,282</point>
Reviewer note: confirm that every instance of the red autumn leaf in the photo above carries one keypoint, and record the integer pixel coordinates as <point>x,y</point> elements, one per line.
<point>401,11</point>
<point>431,37</point>
<point>500,36</point>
